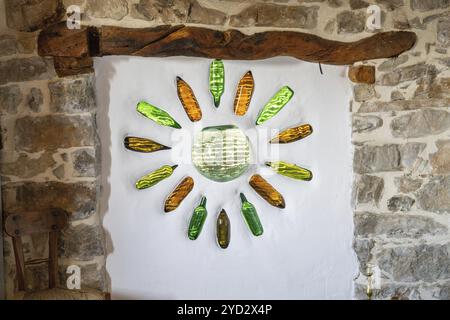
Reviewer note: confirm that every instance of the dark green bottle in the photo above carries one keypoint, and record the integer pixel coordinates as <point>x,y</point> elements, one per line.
<point>251,217</point>
<point>197,220</point>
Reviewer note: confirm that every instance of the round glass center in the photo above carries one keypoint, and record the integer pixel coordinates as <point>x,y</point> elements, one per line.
<point>221,153</point>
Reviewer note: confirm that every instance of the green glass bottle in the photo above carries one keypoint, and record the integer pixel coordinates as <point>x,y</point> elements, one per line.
<point>223,229</point>
<point>216,80</point>
<point>251,217</point>
<point>290,170</point>
<point>156,114</point>
<point>154,177</point>
<point>278,101</point>
<point>197,220</point>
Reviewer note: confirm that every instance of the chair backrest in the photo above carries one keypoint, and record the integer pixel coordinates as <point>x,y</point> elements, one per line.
<point>18,224</point>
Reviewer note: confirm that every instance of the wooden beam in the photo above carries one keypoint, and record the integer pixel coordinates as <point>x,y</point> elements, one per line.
<point>232,44</point>
<point>68,66</point>
<point>164,41</point>
<point>60,41</point>
<point>127,41</point>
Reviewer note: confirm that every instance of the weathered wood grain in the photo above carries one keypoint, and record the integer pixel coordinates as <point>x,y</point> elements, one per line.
<point>232,44</point>
<point>127,41</point>
<point>60,41</point>
<point>68,66</point>
<point>165,41</point>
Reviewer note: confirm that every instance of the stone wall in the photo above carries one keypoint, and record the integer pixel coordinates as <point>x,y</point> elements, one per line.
<point>401,130</point>
<point>48,148</point>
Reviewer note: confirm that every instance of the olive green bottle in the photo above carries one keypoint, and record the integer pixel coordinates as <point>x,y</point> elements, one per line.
<point>223,229</point>
<point>149,180</point>
<point>251,217</point>
<point>143,145</point>
<point>197,220</point>
<point>290,170</point>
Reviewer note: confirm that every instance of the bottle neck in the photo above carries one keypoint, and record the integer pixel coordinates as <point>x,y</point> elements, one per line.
<point>203,202</point>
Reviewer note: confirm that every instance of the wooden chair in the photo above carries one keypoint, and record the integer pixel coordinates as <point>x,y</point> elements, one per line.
<point>50,221</point>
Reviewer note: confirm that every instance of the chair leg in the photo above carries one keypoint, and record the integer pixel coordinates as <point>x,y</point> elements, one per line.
<point>20,262</point>
<point>52,259</point>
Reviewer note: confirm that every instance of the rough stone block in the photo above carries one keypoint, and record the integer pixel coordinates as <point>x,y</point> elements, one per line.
<point>403,105</point>
<point>424,262</point>
<point>350,22</point>
<point>392,63</point>
<point>406,184</point>
<point>112,9</point>
<point>168,12</point>
<point>391,4</point>
<point>26,42</point>
<point>72,95</point>
<point>400,203</point>
<point>410,153</point>
<point>397,291</point>
<point>358,4</point>
<point>396,226</point>
<point>440,160</point>
<point>434,196</point>
<point>10,98</point>
<point>82,242</point>
<point>363,248</point>
<point>369,159</point>
<point>366,123</point>
<point>334,3</point>
<point>178,11</point>
<point>363,92</point>
<point>203,15</point>
<point>8,45</point>
<point>408,73</point>
<point>388,157</point>
<point>26,69</point>
<point>26,167</point>
<point>25,15</point>
<point>397,95</point>
<point>367,189</point>
<point>432,87</point>
<point>59,172</point>
<point>421,123</point>
<point>362,74</point>
<point>18,43</point>
<point>79,199</point>
<point>443,32</point>
<point>84,163</point>
<point>35,99</point>
<point>272,15</point>
<point>34,134</point>
<point>428,5</point>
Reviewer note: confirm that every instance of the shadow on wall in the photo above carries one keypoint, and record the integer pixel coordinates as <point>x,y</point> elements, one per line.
<point>2,269</point>
<point>106,71</point>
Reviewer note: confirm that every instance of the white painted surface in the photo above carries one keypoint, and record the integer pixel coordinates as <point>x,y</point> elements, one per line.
<point>306,250</point>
